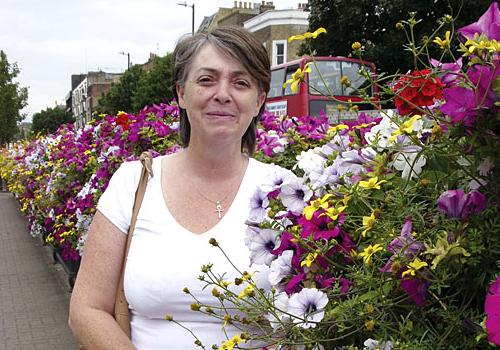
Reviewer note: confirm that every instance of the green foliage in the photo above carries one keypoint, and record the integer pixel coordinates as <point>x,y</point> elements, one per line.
<point>12,99</point>
<point>373,24</point>
<point>154,85</point>
<point>138,88</point>
<point>119,98</point>
<point>48,120</point>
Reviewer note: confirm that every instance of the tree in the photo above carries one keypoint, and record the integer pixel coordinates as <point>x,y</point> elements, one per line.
<point>119,98</point>
<point>12,99</point>
<point>373,23</point>
<point>155,85</point>
<point>49,120</point>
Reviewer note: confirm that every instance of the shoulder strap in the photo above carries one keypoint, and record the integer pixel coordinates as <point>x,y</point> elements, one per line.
<point>121,305</point>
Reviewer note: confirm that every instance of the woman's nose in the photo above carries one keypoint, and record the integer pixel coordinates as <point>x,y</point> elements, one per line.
<point>222,93</point>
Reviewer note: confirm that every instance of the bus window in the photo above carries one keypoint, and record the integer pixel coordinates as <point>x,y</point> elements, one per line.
<point>351,71</point>
<point>277,81</point>
<point>289,72</point>
<point>328,83</point>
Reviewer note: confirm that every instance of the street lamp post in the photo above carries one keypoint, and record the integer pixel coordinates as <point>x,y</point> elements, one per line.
<point>192,16</point>
<point>128,57</point>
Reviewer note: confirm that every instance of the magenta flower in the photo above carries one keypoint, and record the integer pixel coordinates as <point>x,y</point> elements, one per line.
<point>320,227</point>
<point>456,204</point>
<point>416,290</point>
<point>482,77</point>
<point>488,24</point>
<point>448,72</point>
<point>492,309</point>
<point>460,105</point>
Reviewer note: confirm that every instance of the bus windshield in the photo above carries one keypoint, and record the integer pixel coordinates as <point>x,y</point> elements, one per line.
<point>328,82</point>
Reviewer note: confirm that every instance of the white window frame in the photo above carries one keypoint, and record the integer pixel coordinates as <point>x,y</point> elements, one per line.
<point>275,51</point>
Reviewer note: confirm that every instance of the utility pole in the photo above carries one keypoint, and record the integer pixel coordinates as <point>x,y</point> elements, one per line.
<point>192,14</point>
<point>128,58</point>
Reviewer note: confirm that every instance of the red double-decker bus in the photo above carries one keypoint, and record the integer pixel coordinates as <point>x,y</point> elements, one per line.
<point>324,80</point>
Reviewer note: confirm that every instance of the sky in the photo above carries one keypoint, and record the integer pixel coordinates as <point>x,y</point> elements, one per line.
<point>52,39</point>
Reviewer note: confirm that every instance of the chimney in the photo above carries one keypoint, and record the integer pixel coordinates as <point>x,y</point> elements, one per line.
<point>235,4</point>
<point>240,5</point>
<point>266,6</point>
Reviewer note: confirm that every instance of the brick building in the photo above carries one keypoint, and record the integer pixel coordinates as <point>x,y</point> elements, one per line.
<point>86,95</point>
<point>272,27</point>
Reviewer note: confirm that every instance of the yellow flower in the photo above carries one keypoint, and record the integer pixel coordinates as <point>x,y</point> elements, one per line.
<point>297,77</point>
<point>231,343</point>
<point>344,80</point>
<point>248,291</point>
<point>309,259</point>
<point>371,183</point>
<point>337,128</point>
<point>356,45</point>
<point>334,212</point>
<point>413,267</point>
<point>369,222</point>
<point>364,125</point>
<point>370,325</point>
<point>405,128</point>
<point>315,205</point>
<point>307,35</point>
<point>367,253</point>
<point>443,44</point>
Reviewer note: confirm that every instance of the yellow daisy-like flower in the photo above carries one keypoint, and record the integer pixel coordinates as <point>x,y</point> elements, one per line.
<point>405,128</point>
<point>443,43</point>
<point>310,258</point>
<point>413,267</point>
<point>368,252</point>
<point>298,77</point>
<point>369,222</point>
<point>315,205</point>
<point>356,45</point>
<point>248,291</point>
<point>372,183</point>
<point>231,343</point>
<point>307,35</point>
<point>334,212</point>
<point>337,128</point>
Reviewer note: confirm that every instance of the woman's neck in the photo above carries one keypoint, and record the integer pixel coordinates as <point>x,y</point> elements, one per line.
<point>213,164</point>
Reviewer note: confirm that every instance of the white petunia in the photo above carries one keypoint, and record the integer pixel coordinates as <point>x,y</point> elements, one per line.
<point>261,243</point>
<point>310,160</point>
<point>371,344</point>
<point>409,164</point>
<point>280,268</point>
<point>294,194</point>
<point>258,206</point>
<point>307,307</point>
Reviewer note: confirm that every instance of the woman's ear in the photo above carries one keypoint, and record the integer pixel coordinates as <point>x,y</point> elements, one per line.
<point>180,95</point>
<point>260,100</point>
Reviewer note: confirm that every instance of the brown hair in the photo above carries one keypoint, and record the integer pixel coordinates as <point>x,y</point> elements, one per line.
<point>239,44</point>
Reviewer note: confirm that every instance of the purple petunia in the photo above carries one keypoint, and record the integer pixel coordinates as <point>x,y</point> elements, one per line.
<point>458,205</point>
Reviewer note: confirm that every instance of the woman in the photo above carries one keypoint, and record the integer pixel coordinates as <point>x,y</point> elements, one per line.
<point>221,81</point>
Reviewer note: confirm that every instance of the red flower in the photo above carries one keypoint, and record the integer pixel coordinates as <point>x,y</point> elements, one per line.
<point>417,89</point>
<point>123,120</point>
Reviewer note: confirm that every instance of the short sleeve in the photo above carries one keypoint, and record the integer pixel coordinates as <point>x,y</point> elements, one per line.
<point>118,199</point>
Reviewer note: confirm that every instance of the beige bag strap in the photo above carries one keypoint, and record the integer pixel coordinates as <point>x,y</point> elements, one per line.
<point>122,316</point>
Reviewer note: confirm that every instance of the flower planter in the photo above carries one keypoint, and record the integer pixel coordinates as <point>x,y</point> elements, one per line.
<point>70,267</point>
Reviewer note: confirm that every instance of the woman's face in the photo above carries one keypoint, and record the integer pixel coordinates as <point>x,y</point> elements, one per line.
<point>220,97</point>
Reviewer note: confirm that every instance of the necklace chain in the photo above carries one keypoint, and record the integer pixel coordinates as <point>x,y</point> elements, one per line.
<point>218,206</point>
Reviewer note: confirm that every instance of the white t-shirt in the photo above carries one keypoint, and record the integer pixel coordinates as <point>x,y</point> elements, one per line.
<point>165,257</point>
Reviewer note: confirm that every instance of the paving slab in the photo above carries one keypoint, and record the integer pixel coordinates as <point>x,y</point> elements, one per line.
<point>34,292</point>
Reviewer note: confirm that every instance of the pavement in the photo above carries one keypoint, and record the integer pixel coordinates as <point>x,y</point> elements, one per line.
<point>34,291</point>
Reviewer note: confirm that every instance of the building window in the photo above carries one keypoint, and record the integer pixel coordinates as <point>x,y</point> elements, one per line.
<point>279,52</point>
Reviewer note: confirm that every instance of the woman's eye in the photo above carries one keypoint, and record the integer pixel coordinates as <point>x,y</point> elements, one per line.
<point>204,80</point>
<point>242,83</point>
